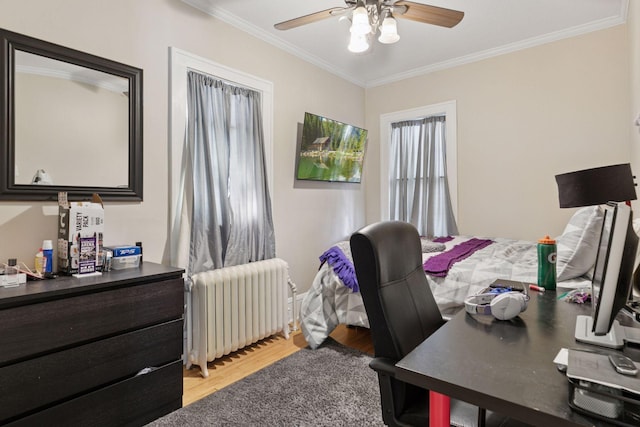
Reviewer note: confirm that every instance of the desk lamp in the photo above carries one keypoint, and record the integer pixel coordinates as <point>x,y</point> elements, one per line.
<point>598,186</point>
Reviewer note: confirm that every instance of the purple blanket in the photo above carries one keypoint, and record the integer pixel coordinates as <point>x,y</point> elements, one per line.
<point>440,264</point>
<point>342,266</point>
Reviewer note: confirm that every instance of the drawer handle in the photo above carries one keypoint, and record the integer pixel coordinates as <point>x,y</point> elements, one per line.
<point>146,370</point>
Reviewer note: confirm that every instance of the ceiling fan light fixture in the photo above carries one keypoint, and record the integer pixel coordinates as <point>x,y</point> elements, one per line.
<point>367,16</point>
<point>358,43</point>
<point>389,31</point>
<point>360,21</point>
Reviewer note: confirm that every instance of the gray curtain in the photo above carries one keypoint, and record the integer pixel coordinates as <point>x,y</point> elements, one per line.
<point>224,204</point>
<point>419,189</point>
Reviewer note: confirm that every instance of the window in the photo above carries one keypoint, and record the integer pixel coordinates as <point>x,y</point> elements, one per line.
<point>213,176</point>
<point>413,182</point>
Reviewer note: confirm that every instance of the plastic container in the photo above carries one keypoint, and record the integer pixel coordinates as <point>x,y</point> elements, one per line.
<point>107,257</point>
<point>547,254</point>
<point>47,252</point>
<point>11,273</point>
<point>40,262</point>
<point>122,262</point>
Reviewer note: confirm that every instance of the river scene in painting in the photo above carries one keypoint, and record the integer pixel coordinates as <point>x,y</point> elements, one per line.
<point>330,150</point>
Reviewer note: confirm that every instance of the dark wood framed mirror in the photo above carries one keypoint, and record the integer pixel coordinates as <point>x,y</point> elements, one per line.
<point>69,121</point>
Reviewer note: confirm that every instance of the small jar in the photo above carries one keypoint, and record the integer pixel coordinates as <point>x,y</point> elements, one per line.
<point>11,273</point>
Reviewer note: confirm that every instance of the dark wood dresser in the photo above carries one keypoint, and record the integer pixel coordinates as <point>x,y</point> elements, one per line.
<point>93,351</point>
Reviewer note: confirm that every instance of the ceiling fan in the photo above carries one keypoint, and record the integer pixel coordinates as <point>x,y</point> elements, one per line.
<point>369,15</point>
<point>402,9</point>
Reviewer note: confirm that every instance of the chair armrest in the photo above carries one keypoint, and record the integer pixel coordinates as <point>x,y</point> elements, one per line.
<point>383,365</point>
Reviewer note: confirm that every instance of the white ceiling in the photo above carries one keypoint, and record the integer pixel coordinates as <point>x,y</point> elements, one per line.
<point>489,28</point>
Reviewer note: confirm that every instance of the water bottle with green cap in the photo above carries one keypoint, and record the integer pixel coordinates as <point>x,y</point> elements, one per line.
<point>547,254</point>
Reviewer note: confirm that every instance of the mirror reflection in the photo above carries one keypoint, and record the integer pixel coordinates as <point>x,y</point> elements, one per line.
<point>69,121</point>
<point>71,124</point>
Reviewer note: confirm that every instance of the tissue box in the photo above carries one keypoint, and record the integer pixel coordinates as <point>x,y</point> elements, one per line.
<point>124,250</point>
<point>80,235</point>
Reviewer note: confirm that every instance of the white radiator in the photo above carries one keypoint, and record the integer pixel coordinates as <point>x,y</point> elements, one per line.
<point>233,307</point>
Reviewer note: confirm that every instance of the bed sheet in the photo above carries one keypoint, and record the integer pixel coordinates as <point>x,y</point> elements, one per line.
<point>329,303</point>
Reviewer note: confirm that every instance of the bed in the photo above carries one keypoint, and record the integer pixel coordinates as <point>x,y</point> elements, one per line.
<point>459,266</point>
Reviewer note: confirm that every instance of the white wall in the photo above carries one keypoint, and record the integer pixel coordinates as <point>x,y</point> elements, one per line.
<point>522,118</point>
<point>139,33</point>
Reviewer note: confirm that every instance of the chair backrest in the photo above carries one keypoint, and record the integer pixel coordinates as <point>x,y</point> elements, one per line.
<point>400,306</point>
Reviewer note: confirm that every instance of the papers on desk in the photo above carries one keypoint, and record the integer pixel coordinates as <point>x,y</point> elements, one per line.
<point>596,368</point>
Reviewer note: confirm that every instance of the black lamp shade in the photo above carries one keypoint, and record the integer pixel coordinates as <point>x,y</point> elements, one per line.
<point>596,186</point>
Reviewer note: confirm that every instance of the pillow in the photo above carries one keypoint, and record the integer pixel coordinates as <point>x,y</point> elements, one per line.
<point>578,244</point>
<point>431,246</point>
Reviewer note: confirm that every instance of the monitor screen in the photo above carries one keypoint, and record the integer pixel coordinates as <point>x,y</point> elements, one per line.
<point>330,150</point>
<point>602,258</point>
<point>611,284</point>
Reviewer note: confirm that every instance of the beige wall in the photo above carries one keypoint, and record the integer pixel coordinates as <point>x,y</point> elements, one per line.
<point>522,118</point>
<point>60,123</point>
<point>139,33</point>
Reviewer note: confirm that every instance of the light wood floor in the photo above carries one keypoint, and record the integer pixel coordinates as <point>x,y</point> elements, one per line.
<point>235,366</point>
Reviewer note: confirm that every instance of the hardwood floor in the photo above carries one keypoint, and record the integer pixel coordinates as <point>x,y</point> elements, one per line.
<point>235,366</point>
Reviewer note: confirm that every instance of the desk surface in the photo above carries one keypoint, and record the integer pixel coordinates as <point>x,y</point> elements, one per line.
<point>506,366</point>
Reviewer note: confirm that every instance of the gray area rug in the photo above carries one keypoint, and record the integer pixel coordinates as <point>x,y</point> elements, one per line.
<point>330,386</point>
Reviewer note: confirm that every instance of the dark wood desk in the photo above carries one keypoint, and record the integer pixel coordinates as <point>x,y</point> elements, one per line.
<point>505,366</point>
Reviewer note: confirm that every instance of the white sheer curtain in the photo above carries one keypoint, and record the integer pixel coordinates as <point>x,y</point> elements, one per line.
<point>418,185</point>
<point>223,215</point>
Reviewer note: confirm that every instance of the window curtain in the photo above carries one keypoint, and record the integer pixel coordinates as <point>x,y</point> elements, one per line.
<point>419,189</point>
<point>223,216</point>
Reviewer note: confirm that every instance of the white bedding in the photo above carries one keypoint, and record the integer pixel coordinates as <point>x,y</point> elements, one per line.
<point>329,303</point>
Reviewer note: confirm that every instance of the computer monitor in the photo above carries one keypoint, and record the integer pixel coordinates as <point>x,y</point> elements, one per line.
<point>611,284</point>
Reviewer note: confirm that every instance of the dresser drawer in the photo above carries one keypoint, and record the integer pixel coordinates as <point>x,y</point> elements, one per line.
<point>38,382</point>
<point>37,329</point>
<point>132,402</point>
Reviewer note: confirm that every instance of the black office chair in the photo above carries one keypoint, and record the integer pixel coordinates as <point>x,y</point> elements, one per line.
<point>402,313</point>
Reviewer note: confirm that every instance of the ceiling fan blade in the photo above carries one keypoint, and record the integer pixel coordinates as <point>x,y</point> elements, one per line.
<point>308,19</point>
<point>429,14</point>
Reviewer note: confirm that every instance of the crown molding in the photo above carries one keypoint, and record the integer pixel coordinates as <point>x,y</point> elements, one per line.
<point>508,48</point>
<point>235,21</point>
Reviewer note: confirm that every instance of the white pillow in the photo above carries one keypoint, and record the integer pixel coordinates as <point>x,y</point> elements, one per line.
<point>578,244</point>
